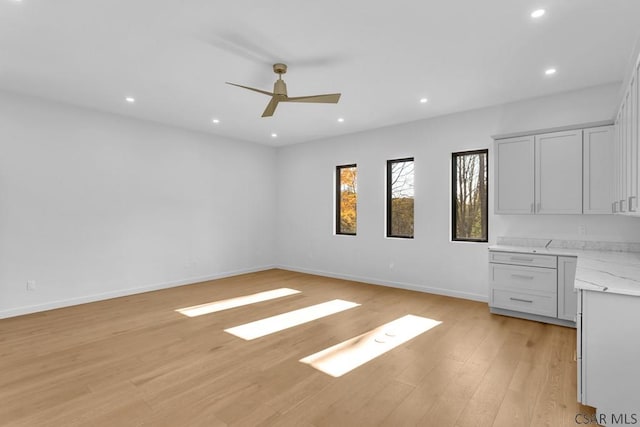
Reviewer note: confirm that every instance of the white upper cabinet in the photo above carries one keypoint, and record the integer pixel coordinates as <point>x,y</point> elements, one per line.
<point>632,186</point>
<point>598,170</point>
<point>514,175</point>
<point>558,173</point>
<point>627,151</point>
<point>539,174</point>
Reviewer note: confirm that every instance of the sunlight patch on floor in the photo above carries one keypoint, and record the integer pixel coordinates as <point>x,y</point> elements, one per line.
<point>348,355</point>
<point>269,325</point>
<point>212,307</point>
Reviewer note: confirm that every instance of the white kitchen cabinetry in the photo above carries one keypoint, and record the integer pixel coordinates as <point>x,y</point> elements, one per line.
<point>567,172</point>
<point>627,150</point>
<point>567,294</point>
<point>514,175</point>
<point>532,286</point>
<point>608,354</point>
<point>598,170</point>
<point>635,163</point>
<point>558,173</point>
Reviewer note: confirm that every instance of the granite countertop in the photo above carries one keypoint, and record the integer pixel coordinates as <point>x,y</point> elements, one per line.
<point>600,266</point>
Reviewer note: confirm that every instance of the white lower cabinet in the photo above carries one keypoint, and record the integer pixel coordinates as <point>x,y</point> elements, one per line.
<point>567,294</point>
<point>608,354</point>
<point>532,286</point>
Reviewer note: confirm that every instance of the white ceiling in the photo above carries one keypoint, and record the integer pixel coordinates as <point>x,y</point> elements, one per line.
<point>174,56</point>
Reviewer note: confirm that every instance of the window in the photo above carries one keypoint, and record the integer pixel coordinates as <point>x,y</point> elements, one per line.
<point>470,195</point>
<point>346,199</point>
<point>400,198</point>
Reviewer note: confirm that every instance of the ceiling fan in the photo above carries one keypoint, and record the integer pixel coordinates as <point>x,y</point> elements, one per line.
<point>279,93</point>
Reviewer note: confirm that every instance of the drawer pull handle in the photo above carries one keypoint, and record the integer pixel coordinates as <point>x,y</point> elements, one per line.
<point>518,258</point>
<point>522,276</point>
<point>521,300</point>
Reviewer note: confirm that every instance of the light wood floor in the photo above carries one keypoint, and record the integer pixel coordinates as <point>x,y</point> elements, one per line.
<point>134,361</point>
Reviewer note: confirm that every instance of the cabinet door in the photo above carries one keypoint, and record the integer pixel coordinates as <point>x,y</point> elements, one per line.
<point>629,151</point>
<point>598,172</point>
<point>567,296</point>
<point>513,172</point>
<point>610,351</point>
<point>622,158</point>
<point>634,183</point>
<point>558,173</point>
<point>616,166</point>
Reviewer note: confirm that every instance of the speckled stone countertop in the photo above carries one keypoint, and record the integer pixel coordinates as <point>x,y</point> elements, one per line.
<point>612,267</point>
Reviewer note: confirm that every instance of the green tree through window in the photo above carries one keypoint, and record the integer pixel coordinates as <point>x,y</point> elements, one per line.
<point>470,196</point>
<point>400,198</point>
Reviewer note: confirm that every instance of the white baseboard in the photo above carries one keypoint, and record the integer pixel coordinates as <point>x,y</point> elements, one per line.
<point>400,285</point>
<point>19,311</point>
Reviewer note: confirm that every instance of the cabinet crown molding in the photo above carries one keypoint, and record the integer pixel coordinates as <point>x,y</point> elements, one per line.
<point>555,129</point>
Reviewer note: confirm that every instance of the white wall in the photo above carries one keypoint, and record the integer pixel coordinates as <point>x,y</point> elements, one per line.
<point>430,261</point>
<point>95,205</point>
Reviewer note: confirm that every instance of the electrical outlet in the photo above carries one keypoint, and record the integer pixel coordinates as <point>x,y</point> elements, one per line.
<point>31,285</point>
<point>582,230</point>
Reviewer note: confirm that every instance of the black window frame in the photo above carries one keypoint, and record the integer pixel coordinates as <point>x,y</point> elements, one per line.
<point>389,198</point>
<point>454,195</point>
<point>339,199</point>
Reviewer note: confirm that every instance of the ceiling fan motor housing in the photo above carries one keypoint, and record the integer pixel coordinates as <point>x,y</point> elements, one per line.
<point>280,88</point>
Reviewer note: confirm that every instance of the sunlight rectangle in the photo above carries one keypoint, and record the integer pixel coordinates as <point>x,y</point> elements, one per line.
<point>212,307</point>
<point>348,355</point>
<point>269,325</point>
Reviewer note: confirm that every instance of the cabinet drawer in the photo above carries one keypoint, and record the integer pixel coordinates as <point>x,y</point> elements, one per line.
<point>542,304</point>
<point>534,260</point>
<point>519,278</point>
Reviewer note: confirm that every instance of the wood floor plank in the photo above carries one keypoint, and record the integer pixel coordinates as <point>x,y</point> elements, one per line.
<point>135,361</point>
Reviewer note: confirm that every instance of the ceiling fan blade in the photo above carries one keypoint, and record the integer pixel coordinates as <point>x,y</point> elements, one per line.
<point>252,88</point>
<point>330,98</point>
<point>271,107</point>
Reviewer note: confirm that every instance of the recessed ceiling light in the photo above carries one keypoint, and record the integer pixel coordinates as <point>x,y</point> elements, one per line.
<point>216,121</point>
<point>274,135</point>
<point>423,100</point>
<point>550,71</point>
<point>130,99</point>
<point>537,13</point>
<point>340,119</point>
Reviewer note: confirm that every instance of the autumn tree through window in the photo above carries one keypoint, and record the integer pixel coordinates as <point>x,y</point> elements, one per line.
<point>346,199</point>
<point>400,198</point>
<point>470,195</point>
